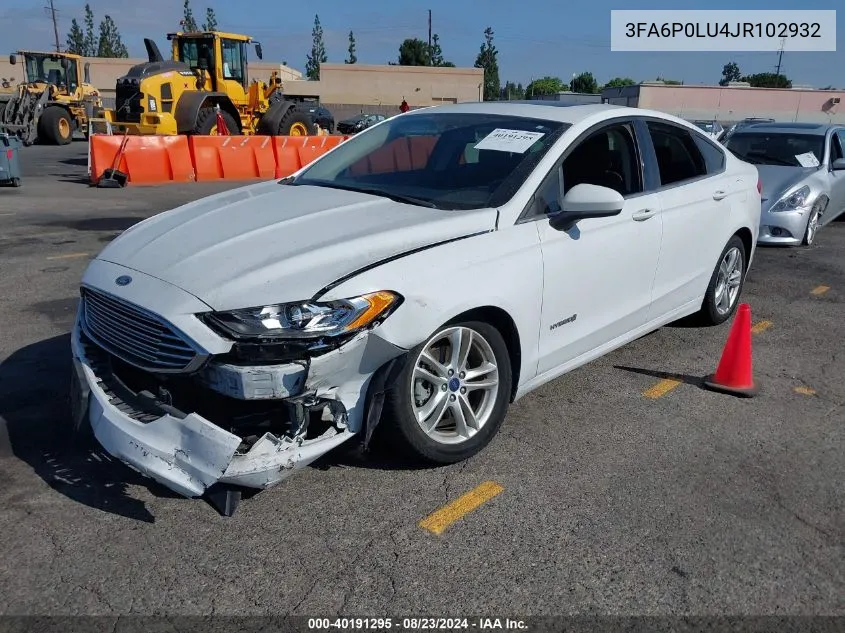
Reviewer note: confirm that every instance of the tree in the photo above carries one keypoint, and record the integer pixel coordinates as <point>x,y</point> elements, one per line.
<point>75,39</point>
<point>413,52</point>
<point>512,91</point>
<point>110,44</point>
<point>188,23</point>
<point>619,82</point>
<point>544,86</point>
<point>437,54</point>
<point>488,60</point>
<point>90,39</point>
<point>730,72</point>
<point>584,83</point>
<point>210,20</point>
<point>352,57</point>
<point>318,52</point>
<point>768,80</point>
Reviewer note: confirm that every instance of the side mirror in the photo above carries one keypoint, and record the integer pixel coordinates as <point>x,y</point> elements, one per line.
<point>87,73</point>
<point>258,50</point>
<point>583,202</point>
<point>13,60</point>
<point>838,164</point>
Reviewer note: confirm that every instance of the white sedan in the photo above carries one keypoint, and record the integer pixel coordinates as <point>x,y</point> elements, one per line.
<point>421,277</point>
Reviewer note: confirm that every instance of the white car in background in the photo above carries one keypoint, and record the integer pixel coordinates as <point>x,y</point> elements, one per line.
<point>422,275</point>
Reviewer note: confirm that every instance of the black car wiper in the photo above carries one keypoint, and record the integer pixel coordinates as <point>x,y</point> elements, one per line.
<point>748,159</point>
<point>422,202</point>
<point>774,160</point>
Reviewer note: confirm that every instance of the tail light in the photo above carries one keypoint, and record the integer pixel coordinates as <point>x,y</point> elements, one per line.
<point>759,186</point>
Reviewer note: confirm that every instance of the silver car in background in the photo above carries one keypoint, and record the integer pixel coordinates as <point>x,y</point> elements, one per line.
<point>802,168</point>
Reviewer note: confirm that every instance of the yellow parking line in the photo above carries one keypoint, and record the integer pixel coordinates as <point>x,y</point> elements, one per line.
<point>447,515</point>
<point>805,391</point>
<point>762,326</point>
<point>819,290</point>
<point>69,256</point>
<point>661,388</point>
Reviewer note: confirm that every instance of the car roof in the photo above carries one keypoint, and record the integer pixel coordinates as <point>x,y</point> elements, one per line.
<point>548,110</point>
<point>814,129</point>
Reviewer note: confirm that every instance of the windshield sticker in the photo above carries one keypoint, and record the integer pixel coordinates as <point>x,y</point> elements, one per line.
<point>807,159</point>
<point>502,140</point>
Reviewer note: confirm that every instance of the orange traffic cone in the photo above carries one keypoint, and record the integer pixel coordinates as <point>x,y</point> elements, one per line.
<point>734,374</point>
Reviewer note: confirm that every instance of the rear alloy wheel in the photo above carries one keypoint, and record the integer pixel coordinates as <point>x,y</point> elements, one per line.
<point>812,226</point>
<point>452,396</point>
<point>726,282</point>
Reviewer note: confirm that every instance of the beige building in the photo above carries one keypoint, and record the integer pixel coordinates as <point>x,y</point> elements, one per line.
<point>346,89</point>
<point>735,102</point>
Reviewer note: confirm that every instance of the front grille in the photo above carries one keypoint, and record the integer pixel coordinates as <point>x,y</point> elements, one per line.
<point>128,101</point>
<point>135,335</point>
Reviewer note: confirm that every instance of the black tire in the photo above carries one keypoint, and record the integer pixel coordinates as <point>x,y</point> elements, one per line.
<point>292,118</point>
<point>55,126</point>
<point>399,427</point>
<point>16,182</point>
<point>207,121</point>
<point>709,313</point>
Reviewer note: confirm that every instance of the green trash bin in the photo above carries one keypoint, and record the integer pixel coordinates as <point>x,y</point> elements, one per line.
<point>10,166</point>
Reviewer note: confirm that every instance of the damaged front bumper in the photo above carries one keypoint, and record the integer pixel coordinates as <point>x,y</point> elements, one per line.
<point>189,452</point>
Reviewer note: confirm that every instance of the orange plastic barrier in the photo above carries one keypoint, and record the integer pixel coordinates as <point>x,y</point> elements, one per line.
<point>159,159</point>
<point>232,157</point>
<point>146,159</point>
<point>287,159</point>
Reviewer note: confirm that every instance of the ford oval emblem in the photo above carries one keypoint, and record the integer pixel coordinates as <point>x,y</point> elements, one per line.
<point>123,280</point>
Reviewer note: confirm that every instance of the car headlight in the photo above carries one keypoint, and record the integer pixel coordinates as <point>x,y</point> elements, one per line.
<point>793,200</point>
<point>308,319</point>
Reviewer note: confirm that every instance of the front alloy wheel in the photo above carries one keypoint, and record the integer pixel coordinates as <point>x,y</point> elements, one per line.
<point>453,393</point>
<point>812,227</point>
<point>454,385</point>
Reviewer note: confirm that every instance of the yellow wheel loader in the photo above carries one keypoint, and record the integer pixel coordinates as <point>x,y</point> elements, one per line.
<point>55,100</point>
<point>208,71</point>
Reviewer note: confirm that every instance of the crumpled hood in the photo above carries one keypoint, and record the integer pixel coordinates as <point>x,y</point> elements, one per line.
<point>778,179</point>
<point>270,243</point>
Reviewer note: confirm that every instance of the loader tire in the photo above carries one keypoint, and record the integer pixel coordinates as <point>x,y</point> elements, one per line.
<point>55,126</point>
<point>207,123</point>
<point>294,123</point>
<point>297,123</point>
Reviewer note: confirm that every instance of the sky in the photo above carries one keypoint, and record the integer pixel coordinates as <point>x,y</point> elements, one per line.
<point>534,37</point>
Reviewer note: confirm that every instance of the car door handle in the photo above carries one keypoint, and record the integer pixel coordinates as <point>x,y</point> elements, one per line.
<point>643,214</point>
<point>719,195</point>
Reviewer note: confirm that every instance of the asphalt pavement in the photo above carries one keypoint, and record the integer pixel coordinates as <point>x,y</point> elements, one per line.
<point>621,488</point>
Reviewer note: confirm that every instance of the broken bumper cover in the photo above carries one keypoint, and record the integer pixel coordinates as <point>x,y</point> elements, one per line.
<point>189,454</point>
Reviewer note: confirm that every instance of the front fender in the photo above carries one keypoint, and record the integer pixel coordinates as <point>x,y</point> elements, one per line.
<point>501,269</point>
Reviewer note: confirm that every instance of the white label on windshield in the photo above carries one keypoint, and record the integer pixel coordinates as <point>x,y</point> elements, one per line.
<point>807,160</point>
<point>503,140</point>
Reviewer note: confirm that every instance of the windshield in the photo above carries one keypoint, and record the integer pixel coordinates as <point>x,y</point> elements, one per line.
<point>50,69</point>
<point>191,48</point>
<point>444,160</point>
<point>791,150</point>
